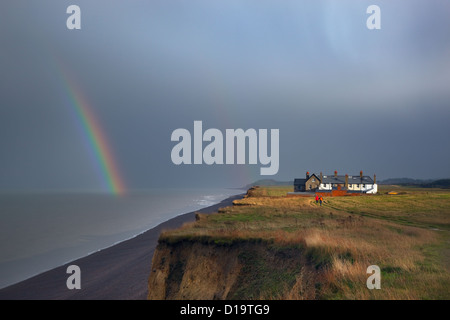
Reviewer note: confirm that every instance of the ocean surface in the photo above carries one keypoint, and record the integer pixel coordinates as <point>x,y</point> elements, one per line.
<point>39,232</point>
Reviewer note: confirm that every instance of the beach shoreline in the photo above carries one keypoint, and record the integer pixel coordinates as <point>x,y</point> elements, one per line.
<point>118,272</point>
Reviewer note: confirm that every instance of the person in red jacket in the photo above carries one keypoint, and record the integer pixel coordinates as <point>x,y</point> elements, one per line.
<point>317,199</point>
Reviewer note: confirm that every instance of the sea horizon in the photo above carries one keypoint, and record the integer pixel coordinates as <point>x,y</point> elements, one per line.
<point>43,230</point>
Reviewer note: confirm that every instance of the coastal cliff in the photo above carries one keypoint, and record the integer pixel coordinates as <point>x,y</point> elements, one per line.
<point>269,246</point>
<point>246,270</point>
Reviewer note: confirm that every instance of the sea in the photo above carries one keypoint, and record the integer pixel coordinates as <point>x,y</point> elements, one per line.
<point>41,231</point>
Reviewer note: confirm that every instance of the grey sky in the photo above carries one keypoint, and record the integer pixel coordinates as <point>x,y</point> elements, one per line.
<point>344,98</point>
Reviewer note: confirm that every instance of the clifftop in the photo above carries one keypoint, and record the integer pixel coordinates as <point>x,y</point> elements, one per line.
<point>270,246</point>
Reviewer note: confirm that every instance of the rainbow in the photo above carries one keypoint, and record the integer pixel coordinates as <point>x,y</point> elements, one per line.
<point>95,138</point>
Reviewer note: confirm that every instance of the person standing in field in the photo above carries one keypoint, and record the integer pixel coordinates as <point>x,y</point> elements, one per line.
<point>317,199</point>
<point>320,200</point>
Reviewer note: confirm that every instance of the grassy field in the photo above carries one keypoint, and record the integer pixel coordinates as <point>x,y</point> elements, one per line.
<point>406,235</point>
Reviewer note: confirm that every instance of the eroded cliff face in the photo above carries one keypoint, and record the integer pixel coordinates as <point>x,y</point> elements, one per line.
<point>192,271</point>
<point>196,270</point>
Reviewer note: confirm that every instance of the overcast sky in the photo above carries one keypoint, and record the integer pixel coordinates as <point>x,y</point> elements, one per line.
<point>344,97</point>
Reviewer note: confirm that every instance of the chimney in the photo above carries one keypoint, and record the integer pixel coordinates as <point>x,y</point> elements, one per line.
<point>374,179</point>
<point>335,174</point>
<point>321,177</point>
<point>360,174</point>
<point>307,175</point>
<point>346,181</point>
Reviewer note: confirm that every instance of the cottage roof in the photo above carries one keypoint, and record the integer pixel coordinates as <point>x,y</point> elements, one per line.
<point>351,179</point>
<point>303,181</point>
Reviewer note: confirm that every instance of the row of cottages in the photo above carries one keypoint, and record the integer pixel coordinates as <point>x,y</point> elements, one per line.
<point>329,183</point>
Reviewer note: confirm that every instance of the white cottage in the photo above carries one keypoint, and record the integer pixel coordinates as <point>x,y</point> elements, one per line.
<point>353,184</point>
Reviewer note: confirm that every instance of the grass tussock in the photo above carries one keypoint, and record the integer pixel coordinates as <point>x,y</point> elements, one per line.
<point>406,235</point>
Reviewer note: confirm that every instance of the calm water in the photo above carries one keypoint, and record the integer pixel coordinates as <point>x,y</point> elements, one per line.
<point>41,231</point>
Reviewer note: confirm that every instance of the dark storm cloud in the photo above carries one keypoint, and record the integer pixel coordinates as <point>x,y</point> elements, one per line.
<point>343,97</point>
